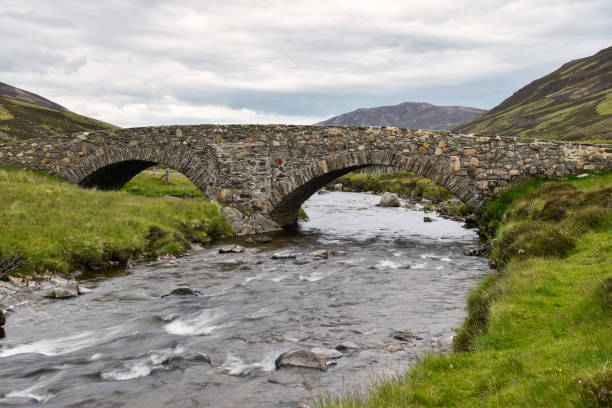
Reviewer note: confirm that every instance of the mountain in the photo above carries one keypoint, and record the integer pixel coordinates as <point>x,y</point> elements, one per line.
<point>25,115</point>
<point>21,95</point>
<point>410,115</point>
<point>571,103</point>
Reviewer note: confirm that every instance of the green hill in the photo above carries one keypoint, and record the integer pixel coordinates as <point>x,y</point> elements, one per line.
<point>24,115</point>
<point>571,103</point>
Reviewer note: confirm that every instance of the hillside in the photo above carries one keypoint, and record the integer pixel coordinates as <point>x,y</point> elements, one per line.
<point>24,115</point>
<point>410,115</point>
<point>571,103</point>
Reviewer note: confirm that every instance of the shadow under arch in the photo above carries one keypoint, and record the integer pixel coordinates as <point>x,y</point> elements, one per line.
<point>112,168</point>
<point>289,194</point>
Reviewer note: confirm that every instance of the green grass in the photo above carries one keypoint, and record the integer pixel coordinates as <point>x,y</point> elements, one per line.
<point>56,226</point>
<point>151,185</point>
<point>404,183</point>
<point>539,330</point>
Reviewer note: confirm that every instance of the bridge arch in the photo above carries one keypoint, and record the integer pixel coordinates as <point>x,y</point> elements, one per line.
<point>289,194</point>
<point>111,168</point>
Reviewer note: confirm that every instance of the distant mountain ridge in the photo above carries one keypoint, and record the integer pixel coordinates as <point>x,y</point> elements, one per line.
<point>25,115</point>
<point>410,115</point>
<point>572,103</point>
<point>9,91</point>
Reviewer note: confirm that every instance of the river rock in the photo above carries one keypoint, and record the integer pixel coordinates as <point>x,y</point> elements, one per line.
<point>325,353</point>
<point>319,254</point>
<point>338,187</point>
<point>428,219</point>
<point>82,290</point>
<point>323,191</point>
<point>301,359</point>
<point>404,335</point>
<point>2,318</point>
<point>389,200</point>
<point>284,255</point>
<point>471,221</point>
<point>183,292</point>
<point>236,249</point>
<point>347,345</point>
<point>64,292</point>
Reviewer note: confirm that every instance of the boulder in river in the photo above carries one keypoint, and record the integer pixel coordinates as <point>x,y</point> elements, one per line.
<point>301,359</point>
<point>319,254</point>
<point>63,292</point>
<point>428,219</point>
<point>347,345</point>
<point>236,249</point>
<point>284,255</point>
<point>325,353</point>
<point>2,318</point>
<point>389,200</point>
<point>323,191</point>
<point>405,335</point>
<point>82,290</point>
<point>338,187</point>
<point>183,292</point>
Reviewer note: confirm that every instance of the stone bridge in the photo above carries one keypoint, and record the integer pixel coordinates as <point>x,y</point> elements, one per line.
<point>272,169</point>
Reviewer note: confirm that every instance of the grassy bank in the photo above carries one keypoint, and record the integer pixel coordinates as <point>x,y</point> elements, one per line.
<point>539,330</point>
<point>154,185</point>
<point>406,185</point>
<point>49,224</point>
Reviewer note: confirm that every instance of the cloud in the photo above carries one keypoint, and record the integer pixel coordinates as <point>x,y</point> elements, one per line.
<point>149,62</point>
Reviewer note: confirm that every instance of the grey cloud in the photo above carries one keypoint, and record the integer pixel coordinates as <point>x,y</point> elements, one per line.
<point>290,58</point>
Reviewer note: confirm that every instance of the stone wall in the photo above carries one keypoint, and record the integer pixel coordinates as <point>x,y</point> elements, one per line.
<point>273,169</point>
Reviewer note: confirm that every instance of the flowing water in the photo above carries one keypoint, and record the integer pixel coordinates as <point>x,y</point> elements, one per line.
<point>125,345</point>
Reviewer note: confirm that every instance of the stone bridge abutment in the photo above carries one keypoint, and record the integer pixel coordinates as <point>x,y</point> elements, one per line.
<point>272,169</point>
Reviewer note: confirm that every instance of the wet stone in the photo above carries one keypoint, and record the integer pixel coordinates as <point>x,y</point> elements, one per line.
<point>301,359</point>
<point>284,255</point>
<point>183,292</point>
<point>236,249</point>
<point>404,335</point>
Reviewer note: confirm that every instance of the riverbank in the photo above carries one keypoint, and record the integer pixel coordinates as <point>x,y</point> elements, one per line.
<point>538,330</point>
<point>52,226</point>
<point>411,187</point>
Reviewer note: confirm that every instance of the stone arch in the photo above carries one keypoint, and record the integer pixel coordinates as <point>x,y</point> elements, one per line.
<point>289,194</point>
<point>110,168</point>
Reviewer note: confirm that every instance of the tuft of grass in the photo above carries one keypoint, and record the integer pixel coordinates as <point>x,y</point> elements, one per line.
<point>54,225</point>
<point>302,215</point>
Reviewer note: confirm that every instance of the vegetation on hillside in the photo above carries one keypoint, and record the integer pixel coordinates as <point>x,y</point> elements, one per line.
<point>23,120</point>
<point>572,103</point>
<point>50,224</point>
<point>538,330</point>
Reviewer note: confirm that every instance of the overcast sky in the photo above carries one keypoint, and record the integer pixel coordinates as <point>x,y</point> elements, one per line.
<point>150,62</point>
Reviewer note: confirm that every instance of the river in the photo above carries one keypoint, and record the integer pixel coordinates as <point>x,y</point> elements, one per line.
<point>123,345</point>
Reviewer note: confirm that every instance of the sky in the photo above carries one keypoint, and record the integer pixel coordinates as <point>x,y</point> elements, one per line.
<point>150,62</point>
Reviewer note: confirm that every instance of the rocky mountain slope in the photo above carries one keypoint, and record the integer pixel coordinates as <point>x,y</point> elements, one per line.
<point>411,115</point>
<point>571,103</point>
<point>24,115</point>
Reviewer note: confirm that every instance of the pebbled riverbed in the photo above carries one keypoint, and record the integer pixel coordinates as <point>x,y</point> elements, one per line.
<point>126,345</point>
